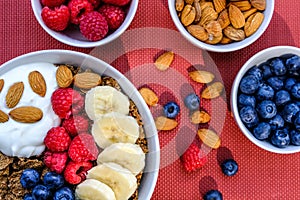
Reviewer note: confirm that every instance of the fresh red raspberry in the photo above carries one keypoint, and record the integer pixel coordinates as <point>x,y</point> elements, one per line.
<point>57,139</point>
<point>75,173</point>
<point>114,15</point>
<point>76,124</point>
<point>117,2</point>
<point>95,3</point>
<point>66,101</point>
<point>78,9</point>
<point>83,148</point>
<point>56,161</point>
<point>52,3</point>
<point>93,26</point>
<point>193,158</point>
<point>57,18</point>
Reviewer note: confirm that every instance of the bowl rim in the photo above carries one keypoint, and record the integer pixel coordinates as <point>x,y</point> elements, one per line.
<point>37,8</point>
<point>234,91</point>
<point>224,47</point>
<point>154,165</point>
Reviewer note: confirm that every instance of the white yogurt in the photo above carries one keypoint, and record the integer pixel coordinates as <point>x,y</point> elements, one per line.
<point>22,139</point>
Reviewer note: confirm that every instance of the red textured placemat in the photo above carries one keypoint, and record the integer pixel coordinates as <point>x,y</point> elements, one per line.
<point>262,175</point>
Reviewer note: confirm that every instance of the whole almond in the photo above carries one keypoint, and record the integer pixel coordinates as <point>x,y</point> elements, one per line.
<point>219,5</point>
<point>225,40</point>
<point>249,12</point>
<point>205,4</point>
<point>87,80</point>
<point>14,94</point>
<point>209,137</point>
<point>234,34</point>
<point>198,32</point>
<point>165,124</point>
<point>1,84</point>
<point>3,117</point>
<point>236,17</point>
<point>37,83</point>
<point>200,117</point>
<point>242,5</point>
<point>208,14</point>
<point>179,5</point>
<point>201,76</point>
<point>198,10</point>
<point>223,19</point>
<point>214,31</point>
<point>189,2</point>
<point>149,96</point>
<point>26,114</point>
<point>213,91</point>
<point>64,76</point>
<point>188,15</point>
<point>164,61</point>
<point>259,4</point>
<point>253,23</point>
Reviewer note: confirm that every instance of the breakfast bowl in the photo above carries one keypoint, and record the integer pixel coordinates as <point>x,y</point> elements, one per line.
<point>34,94</point>
<point>71,33</point>
<point>220,27</point>
<point>264,99</point>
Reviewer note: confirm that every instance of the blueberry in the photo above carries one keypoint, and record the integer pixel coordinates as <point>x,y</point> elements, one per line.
<point>289,111</point>
<point>29,178</point>
<point>277,66</point>
<point>266,109</point>
<point>229,167</point>
<point>171,109</point>
<point>296,121</point>
<point>289,83</point>
<point>275,82</point>
<point>265,92</point>
<point>192,102</point>
<point>246,100</point>
<point>213,195</point>
<point>282,97</point>
<point>53,180</point>
<point>266,70</point>
<point>28,197</point>
<point>41,192</point>
<point>293,65</point>
<point>280,138</point>
<point>295,91</point>
<point>64,193</point>
<point>257,72</point>
<point>249,84</point>
<point>295,137</point>
<point>262,131</point>
<point>249,116</point>
<point>276,122</point>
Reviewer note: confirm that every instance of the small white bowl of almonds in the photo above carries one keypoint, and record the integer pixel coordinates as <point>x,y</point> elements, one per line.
<point>220,25</point>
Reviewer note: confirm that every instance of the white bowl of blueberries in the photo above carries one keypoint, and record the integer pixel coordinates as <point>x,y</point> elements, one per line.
<point>265,99</point>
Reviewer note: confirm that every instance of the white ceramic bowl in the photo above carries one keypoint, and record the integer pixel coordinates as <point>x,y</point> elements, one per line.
<point>223,47</point>
<point>86,61</point>
<point>73,37</point>
<point>257,59</point>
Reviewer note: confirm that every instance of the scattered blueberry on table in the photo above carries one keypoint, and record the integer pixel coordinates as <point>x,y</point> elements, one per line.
<point>213,195</point>
<point>229,167</point>
<point>192,102</point>
<point>171,109</point>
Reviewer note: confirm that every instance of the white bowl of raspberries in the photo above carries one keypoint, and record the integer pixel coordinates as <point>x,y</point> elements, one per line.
<point>84,23</point>
<point>265,99</point>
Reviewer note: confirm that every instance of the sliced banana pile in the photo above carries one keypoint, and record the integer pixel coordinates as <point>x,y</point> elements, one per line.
<point>114,177</point>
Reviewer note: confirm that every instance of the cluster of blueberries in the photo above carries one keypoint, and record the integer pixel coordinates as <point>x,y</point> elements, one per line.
<point>51,187</point>
<point>269,100</point>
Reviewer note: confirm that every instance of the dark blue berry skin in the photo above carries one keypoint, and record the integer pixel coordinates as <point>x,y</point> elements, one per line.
<point>29,178</point>
<point>213,195</point>
<point>266,109</point>
<point>28,197</point>
<point>229,167</point>
<point>280,138</point>
<point>282,97</point>
<point>246,100</point>
<point>249,84</point>
<point>289,111</point>
<point>41,192</point>
<point>278,67</point>
<point>192,102</point>
<point>249,116</point>
<point>296,121</point>
<point>295,91</point>
<point>293,65</point>
<point>262,131</point>
<point>295,137</point>
<point>275,82</point>
<point>171,109</point>
<point>53,180</point>
<point>289,83</point>
<point>257,72</point>
<point>266,70</point>
<point>64,193</point>
<point>276,122</point>
<point>265,92</point>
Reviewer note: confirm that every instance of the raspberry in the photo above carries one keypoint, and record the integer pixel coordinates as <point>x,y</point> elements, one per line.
<point>93,26</point>
<point>76,124</point>
<point>95,3</point>
<point>57,139</point>
<point>66,101</point>
<point>83,148</point>
<point>52,3</point>
<point>78,9</point>
<point>75,173</point>
<point>56,161</point>
<point>56,19</point>
<point>193,158</point>
<point>114,15</point>
<point>117,2</point>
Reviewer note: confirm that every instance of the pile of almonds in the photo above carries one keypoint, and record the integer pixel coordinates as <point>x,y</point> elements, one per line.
<point>221,21</point>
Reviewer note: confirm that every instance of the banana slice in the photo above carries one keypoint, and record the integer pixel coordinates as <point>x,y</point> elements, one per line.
<point>113,128</point>
<point>92,189</point>
<point>105,99</point>
<point>129,156</point>
<point>120,179</point>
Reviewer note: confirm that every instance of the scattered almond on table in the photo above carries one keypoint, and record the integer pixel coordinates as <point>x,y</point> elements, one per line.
<point>209,138</point>
<point>164,61</point>
<point>149,96</point>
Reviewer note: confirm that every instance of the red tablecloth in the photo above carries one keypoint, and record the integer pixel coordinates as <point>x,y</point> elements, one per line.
<point>262,175</point>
